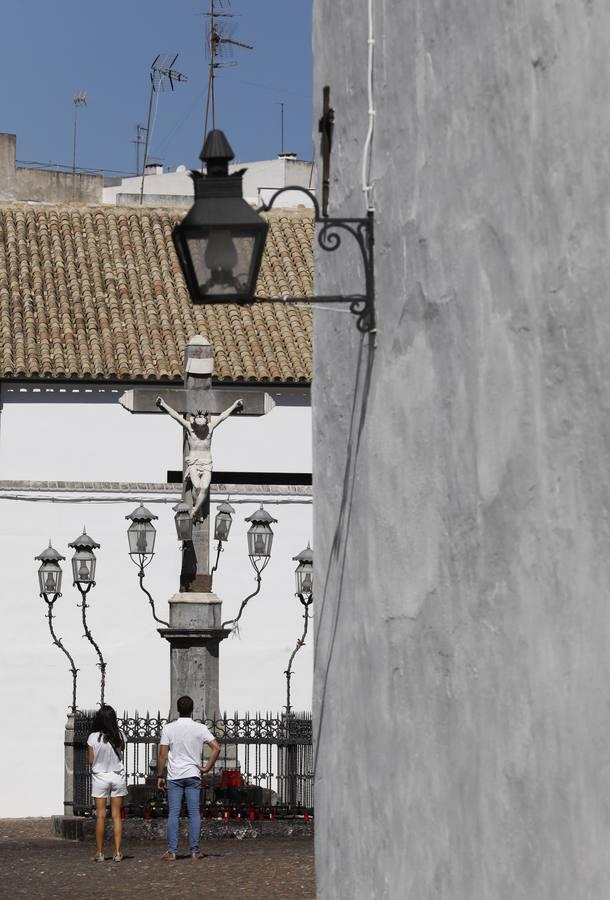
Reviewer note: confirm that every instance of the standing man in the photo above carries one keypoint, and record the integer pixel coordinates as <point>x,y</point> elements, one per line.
<point>181,747</point>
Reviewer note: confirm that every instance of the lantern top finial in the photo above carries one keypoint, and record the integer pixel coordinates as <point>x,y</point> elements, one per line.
<point>141,514</point>
<point>84,542</point>
<point>305,556</point>
<point>49,554</point>
<point>260,517</point>
<point>216,149</point>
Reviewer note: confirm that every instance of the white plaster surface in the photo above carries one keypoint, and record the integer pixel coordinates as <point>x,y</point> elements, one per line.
<point>100,441</point>
<point>461,466</point>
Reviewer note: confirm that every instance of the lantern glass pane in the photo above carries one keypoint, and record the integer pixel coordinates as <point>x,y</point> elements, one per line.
<point>222,526</point>
<point>142,538</point>
<point>222,261</point>
<point>304,578</point>
<point>184,527</point>
<point>49,578</point>
<point>83,567</point>
<point>260,539</point>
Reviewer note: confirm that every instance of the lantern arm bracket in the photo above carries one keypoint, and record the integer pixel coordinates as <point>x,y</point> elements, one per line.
<point>329,238</point>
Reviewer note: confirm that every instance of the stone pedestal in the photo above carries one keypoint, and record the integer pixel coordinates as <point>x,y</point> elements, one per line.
<point>194,638</point>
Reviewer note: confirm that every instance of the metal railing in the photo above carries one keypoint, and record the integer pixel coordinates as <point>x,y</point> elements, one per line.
<point>265,767</point>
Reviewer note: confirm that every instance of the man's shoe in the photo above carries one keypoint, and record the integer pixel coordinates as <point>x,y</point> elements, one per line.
<point>197,855</point>
<point>118,856</point>
<point>99,856</point>
<point>169,857</point>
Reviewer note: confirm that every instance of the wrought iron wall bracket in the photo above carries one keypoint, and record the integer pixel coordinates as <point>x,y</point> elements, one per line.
<point>329,238</point>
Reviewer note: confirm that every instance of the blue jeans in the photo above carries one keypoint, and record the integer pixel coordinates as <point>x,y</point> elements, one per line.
<point>176,789</point>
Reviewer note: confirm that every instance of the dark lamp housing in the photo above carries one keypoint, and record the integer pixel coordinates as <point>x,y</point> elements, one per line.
<point>220,241</point>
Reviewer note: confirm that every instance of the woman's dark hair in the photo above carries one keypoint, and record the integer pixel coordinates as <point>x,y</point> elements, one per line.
<point>105,722</point>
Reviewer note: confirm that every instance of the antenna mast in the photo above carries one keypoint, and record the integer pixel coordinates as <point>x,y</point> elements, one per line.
<point>77,100</point>
<point>162,78</point>
<point>220,43</point>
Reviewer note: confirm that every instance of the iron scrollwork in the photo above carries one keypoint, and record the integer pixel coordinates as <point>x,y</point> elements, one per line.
<point>329,239</point>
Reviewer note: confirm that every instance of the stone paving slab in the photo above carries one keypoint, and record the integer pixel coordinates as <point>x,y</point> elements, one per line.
<point>35,865</point>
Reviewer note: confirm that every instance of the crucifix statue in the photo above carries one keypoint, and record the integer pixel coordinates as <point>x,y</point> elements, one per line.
<point>198,430</point>
<point>195,630</point>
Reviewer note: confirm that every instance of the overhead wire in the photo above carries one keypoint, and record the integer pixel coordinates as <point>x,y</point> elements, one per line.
<point>367,187</point>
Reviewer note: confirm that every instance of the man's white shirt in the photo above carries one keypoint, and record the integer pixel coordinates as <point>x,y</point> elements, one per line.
<point>185,739</point>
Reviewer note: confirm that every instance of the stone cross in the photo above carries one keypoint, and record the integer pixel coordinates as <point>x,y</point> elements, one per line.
<point>195,612</point>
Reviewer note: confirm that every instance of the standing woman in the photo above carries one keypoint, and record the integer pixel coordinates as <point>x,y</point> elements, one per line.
<point>105,751</point>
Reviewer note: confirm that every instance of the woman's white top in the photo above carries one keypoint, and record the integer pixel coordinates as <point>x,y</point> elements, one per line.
<point>105,757</point>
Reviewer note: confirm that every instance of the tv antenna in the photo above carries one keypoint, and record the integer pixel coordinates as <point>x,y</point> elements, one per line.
<point>163,76</point>
<point>139,142</point>
<point>220,44</point>
<point>77,100</point>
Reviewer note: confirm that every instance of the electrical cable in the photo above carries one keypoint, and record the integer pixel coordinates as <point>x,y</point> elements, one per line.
<point>367,187</point>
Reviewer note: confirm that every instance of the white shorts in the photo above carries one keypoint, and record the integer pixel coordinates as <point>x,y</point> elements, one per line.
<point>108,784</point>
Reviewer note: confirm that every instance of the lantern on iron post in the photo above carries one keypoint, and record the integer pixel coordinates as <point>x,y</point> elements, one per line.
<point>222,527</point>
<point>83,571</point>
<point>304,584</point>
<point>260,540</point>
<point>49,581</point>
<point>141,535</point>
<point>221,239</point>
<point>183,521</point>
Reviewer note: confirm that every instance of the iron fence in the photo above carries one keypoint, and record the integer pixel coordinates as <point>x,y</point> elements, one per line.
<point>265,767</point>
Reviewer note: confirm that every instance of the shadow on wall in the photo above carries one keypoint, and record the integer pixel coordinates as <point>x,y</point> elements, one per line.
<point>336,563</point>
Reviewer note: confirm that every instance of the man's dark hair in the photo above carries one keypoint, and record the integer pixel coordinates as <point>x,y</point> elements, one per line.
<point>185,706</point>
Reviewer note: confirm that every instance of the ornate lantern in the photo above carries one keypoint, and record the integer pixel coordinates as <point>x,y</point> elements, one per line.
<point>83,560</point>
<point>304,574</point>
<point>260,535</point>
<point>184,522</point>
<point>49,573</point>
<point>220,242</point>
<point>141,533</point>
<point>223,522</point>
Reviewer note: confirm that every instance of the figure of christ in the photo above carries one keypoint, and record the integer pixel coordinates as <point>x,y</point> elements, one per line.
<point>198,428</point>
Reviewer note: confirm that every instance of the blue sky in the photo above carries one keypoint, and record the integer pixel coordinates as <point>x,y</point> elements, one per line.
<point>53,49</point>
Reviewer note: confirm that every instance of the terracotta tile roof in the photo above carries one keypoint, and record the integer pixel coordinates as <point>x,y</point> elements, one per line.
<point>97,292</point>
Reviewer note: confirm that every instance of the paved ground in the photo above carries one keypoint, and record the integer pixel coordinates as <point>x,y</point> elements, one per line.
<point>35,865</point>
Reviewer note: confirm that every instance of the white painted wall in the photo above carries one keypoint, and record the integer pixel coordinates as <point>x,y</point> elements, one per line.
<point>260,179</point>
<point>89,440</point>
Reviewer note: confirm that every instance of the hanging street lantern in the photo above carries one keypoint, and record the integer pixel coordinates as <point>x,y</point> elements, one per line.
<point>220,242</point>
<point>223,522</point>
<point>260,538</point>
<point>184,522</point>
<point>141,534</point>
<point>83,560</point>
<point>304,575</point>
<point>49,573</point>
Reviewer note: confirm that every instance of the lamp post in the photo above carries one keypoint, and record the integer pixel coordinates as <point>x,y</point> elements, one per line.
<point>83,571</point>
<point>304,584</point>
<point>222,527</point>
<point>49,580</point>
<point>141,535</point>
<point>260,540</point>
